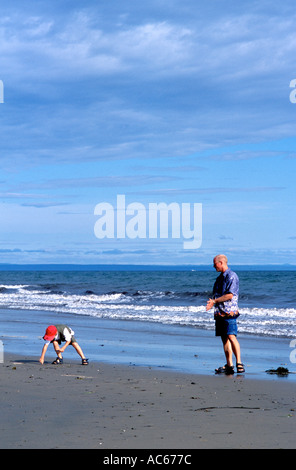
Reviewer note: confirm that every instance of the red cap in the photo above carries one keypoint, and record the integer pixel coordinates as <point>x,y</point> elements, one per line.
<point>50,333</point>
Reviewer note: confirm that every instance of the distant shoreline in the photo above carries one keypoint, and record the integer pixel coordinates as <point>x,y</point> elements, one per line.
<point>140,267</point>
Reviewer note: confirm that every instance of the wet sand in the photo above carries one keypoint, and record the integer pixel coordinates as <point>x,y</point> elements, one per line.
<point>106,406</point>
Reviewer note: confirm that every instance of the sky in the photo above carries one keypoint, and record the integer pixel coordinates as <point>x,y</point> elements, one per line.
<point>184,102</point>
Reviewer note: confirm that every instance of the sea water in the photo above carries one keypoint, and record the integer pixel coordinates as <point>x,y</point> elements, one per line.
<point>128,302</point>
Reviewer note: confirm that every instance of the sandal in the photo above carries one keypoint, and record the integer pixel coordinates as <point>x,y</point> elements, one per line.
<point>240,368</point>
<point>84,362</point>
<point>58,360</point>
<point>220,370</point>
<point>228,370</point>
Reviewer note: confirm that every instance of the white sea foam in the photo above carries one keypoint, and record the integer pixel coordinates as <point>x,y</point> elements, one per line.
<point>148,307</point>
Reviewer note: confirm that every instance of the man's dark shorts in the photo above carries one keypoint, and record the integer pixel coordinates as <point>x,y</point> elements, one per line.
<point>226,326</point>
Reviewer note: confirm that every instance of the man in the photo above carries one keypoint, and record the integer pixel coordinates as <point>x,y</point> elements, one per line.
<point>225,303</point>
<point>56,334</point>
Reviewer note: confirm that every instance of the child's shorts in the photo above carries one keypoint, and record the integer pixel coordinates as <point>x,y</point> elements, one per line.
<point>226,326</point>
<point>73,340</point>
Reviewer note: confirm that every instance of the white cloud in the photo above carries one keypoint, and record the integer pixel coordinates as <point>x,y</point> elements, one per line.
<point>229,47</point>
<point>47,48</point>
<point>87,90</point>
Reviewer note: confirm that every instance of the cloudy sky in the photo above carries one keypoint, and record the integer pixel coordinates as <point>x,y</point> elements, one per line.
<point>182,101</point>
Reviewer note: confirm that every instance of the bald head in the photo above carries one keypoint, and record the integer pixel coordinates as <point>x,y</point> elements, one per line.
<point>220,263</point>
<point>221,258</point>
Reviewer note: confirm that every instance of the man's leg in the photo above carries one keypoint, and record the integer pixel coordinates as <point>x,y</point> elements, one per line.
<point>231,345</point>
<point>235,346</point>
<point>227,346</point>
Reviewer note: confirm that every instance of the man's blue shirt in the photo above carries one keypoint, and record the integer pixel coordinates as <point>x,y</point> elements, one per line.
<point>226,283</point>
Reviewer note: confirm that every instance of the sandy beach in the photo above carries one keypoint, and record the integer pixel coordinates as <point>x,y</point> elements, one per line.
<point>105,406</point>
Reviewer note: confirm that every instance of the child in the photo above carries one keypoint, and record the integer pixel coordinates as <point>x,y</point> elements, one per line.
<point>56,334</point>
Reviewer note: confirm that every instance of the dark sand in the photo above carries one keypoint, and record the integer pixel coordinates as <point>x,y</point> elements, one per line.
<point>104,406</point>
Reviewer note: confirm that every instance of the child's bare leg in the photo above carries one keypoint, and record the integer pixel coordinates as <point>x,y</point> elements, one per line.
<point>78,349</point>
<point>57,349</point>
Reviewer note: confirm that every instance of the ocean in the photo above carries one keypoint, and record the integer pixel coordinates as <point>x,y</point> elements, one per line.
<point>170,301</point>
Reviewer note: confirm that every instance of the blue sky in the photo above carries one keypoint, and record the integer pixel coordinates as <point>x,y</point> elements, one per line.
<point>181,101</point>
